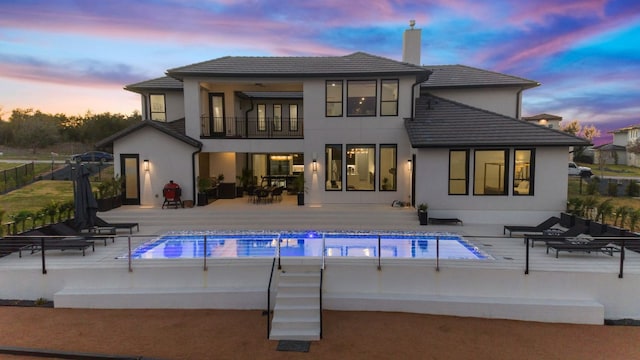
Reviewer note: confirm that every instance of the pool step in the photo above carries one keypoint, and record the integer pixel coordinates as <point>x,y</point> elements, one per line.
<point>296,314</point>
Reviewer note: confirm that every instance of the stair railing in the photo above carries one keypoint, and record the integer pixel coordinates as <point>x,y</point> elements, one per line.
<point>273,265</point>
<point>321,281</point>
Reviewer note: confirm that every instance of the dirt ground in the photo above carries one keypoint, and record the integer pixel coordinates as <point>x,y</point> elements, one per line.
<point>226,334</point>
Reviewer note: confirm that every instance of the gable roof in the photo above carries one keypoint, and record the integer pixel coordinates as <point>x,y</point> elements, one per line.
<point>625,129</point>
<point>162,83</point>
<point>444,123</point>
<point>174,129</point>
<point>448,76</point>
<point>356,64</point>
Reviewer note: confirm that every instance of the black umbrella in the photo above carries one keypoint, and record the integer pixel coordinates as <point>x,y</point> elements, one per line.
<point>85,203</point>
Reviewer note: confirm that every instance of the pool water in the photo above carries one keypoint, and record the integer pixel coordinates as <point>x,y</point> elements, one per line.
<point>192,245</point>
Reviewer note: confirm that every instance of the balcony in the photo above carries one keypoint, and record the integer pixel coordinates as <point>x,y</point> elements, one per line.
<point>243,128</point>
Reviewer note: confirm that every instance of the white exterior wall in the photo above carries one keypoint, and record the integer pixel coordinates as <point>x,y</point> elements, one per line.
<point>174,102</point>
<point>502,100</point>
<point>432,172</point>
<point>169,159</point>
<point>621,138</point>
<point>320,131</point>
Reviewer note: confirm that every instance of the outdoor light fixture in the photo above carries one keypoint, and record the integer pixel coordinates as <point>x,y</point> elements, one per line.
<point>314,164</point>
<point>409,164</point>
<point>145,164</point>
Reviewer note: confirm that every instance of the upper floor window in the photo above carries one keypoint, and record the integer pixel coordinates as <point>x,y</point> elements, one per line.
<point>293,117</point>
<point>389,98</point>
<point>334,98</point>
<point>489,174</point>
<point>361,97</point>
<point>262,117</point>
<point>277,117</point>
<point>458,172</point>
<point>523,171</point>
<point>157,107</point>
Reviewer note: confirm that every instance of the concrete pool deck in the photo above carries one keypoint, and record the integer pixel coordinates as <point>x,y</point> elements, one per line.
<point>574,288</point>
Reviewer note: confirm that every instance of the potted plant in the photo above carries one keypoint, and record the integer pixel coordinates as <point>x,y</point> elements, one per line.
<point>422,213</point>
<point>385,183</point>
<point>244,180</point>
<point>300,188</point>
<point>204,183</point>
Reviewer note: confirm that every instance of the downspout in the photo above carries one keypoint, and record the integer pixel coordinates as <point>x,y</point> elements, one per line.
<point>246,117</point>
<point>193,173</point>
<point>519,103</point>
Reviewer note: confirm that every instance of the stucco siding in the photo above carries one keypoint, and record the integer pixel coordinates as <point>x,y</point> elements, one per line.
<point>550,189</point>
<point>501,101</point>
<point>169,159</point>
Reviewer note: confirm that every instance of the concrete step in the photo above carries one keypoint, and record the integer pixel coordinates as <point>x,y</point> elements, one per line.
<point>296,310</point>
<point>298,290</point>
<point>295,322</point>
<point>283,334</point>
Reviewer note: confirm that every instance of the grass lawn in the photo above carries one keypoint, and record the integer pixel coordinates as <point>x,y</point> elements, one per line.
<point>35,196</point>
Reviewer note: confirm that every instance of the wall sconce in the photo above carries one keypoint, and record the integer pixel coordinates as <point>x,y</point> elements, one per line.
<point>145,164</point>
<point>409,163</point>
<point>314,162</point>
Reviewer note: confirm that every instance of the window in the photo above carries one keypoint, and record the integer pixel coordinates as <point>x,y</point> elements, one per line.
<point>458,172</point>
<point>361,168</point>
<point>293,117</point>
<point>489,173</point>
<point>158,108</point>
<point>277,117</point>
<point>262,117</point>
<point>523,171</point>
<point>361,98</point>
<point>334,98</point>
<point>333,167</point>
<point>388,166</point>
<point>389,98</point>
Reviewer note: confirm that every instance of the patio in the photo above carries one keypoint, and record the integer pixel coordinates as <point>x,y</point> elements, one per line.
<point>575,288</point>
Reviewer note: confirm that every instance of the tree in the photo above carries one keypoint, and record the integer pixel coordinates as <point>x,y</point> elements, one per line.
<point>588,132</point>
<point>33,129</point>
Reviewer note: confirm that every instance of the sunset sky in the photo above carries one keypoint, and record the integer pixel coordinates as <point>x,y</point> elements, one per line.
<point>64,56</point>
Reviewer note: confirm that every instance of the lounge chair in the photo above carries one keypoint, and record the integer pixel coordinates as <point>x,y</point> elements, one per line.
<point>596,245</point>
<point>119,225</point>
<point>62,229</point>
<point>33,241</point>
<point>559,236</point>
<point>545,225</point>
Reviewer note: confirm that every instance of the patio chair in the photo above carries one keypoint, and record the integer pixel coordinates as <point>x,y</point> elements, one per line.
<point>596,245</point>
<point>545,225</point>
<point>549,236</point>
<point>119,225</point>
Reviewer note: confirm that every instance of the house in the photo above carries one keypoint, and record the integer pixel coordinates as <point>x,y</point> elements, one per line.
<point>616,151</point>
<point>547,120</point>
<point>363,129</point>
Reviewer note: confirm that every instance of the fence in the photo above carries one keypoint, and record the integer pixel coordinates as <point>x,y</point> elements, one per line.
<point>17,177</point>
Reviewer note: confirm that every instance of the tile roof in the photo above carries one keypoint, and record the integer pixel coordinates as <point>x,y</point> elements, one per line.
<point>174,129</point>
<point>625,129</point>
<point>163,83</point>
<point>356,64</point>
<point>444,123</point>
<point>445,76</point>
<point>610,147</point>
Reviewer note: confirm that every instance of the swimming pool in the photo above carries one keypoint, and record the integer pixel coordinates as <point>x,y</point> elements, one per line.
<point>416,245</point>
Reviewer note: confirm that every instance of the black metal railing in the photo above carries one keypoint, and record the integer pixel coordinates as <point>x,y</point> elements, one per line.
<point>252,128</point>
<point>321,282</point>
<point>268,311</point>
<point>17,177</point>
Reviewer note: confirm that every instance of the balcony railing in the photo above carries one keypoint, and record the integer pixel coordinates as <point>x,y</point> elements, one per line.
<point>253,128</point>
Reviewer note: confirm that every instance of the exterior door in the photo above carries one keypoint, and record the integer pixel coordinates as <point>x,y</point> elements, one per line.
<point>130,170</point>
<point>216,114</point>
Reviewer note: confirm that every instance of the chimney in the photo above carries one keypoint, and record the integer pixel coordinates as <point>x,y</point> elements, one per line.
<point>411,42</point>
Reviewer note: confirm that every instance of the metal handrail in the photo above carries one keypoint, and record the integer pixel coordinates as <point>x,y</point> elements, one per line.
<point>278,252</point>
<point>273,265</point>
<point>379,253</point>
<point>324,251</point>
<point>204,254</point>
<point>321,282</point>
<point>437,253</point>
